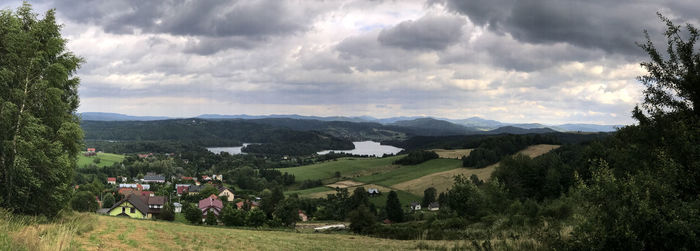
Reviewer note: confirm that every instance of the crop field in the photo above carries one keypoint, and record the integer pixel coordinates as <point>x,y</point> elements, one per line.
<point>116,233</point>
<point>106,159</point>
<point>348,167</point>
<point>406,173</point>
<point>442,181</point>
<point>452,154</point>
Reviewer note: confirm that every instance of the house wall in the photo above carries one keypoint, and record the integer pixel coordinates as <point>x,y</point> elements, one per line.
<point>118,210</point>
<point>229,195</point>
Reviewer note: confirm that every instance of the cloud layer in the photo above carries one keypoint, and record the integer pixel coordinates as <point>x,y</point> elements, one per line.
<point>516,61</point>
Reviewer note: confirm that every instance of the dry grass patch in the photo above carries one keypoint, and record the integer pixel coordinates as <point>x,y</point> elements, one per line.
<point>442,181</point>
<point>345,184</point>
<point>452,154</point>
<point>537,150</point>
<point>177,236</point>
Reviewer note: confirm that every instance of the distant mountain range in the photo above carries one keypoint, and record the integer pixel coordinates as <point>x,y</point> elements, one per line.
<point>443,126</point>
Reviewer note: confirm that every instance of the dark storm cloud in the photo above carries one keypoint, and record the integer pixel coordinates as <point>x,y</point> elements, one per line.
<point>613,26</point>
<point>212,18</point>
<point>426,33</point>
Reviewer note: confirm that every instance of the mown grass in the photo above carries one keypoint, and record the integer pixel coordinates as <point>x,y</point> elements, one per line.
<point>19,232</point>
<point>348,167</point>
<point>106,159</point>
<point>406,173</point>
<point>159,235</point>
<point>404,197</point>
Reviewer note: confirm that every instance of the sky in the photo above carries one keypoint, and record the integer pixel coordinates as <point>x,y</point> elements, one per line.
<point>518,61</point>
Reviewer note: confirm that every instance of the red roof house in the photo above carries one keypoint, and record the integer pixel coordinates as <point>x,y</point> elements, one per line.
<point>111,180</point>
<point>211,204</point>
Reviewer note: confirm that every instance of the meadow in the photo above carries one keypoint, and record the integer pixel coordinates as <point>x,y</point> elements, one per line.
<point>348,167</point>
<point>106,159</point>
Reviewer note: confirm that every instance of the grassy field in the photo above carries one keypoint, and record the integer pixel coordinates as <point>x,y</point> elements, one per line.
<point>444,180</point>
<point>452,154</point>
<point>116,233</point>
<point>106,159</point>
<point>348,167</point>
<point>406,173</point>
<point>306,192</point>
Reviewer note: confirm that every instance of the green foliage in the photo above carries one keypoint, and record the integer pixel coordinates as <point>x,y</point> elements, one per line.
<point>310,184</point>
<point>466,198</point>
<point>108,200</point>
<point>359,198</point>
<point>207,191</point>
<point>210,219</point>
<point>192,213</point>
<point>287,212</point>
<point>361,220</point>
<point>417,157</point>
<point>233,217</point>
<point>84,202</point>
<point>492,150</point>
<point>255,218</point>
<point>167,213</point>
<point>394,211</point>
<point>39,134</point>
<point>429,196</point>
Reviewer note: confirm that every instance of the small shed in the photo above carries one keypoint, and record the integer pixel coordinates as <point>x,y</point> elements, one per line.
<point>177,207</point>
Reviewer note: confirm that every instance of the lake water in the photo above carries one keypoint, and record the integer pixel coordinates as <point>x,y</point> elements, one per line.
<point>368,148</point>
<point>231,150</point>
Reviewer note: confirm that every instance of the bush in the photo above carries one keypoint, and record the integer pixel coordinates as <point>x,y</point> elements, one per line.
<point>193,214</point>
<point>108,200</point>
<point>256,218</point>
<point>84,202</point>
<point>233,217</point>
<point>361,220</point>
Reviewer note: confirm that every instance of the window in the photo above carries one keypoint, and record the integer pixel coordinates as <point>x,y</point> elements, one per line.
<point>123,209</point>
<point>132,210</point>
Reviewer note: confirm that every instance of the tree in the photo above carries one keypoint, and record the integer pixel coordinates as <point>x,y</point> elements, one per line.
<point>361,220</point>
<point>270,200</point>
<point>673,83</point>
<point>207,191</point>
<point>211,218</point>
<point>108,200</point>
<point>193,214</point>
<point>84,202</point>
<point>233,217</point>
<point>40,135</point>
<point>256,218</point>
<point>359,198</point>
<point>393,207</point>
<point>96,161</point>
<point>168,213</point>
<point>429,196</point>
<point>465,198</point>
<point>287,212</point>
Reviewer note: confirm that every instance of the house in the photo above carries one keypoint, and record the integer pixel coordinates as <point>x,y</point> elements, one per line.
<point>138,206</point>
<point>252,204</point>
<point>155,204</point>
<point>112,180</point>
<point>153,178</point>
<point>206,178</point>
<point>435,206</point>
<point>177,207</point>
<point>91,150</point>
<point>211,204</point>
<point>415,206</point>
<point>144,155</point>
<point>194,190</point>
<point>188,178</point>
<point>219,177</point>
<point>136,186</point>
<point>373,192</point>
<point>223,191</point>
<point>182,188</point>
<point>303,216</point>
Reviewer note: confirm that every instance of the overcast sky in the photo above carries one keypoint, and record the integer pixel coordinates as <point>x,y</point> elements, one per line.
<point>547,61</point>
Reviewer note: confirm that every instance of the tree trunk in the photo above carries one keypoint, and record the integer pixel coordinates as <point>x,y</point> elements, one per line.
<point>8,176</point>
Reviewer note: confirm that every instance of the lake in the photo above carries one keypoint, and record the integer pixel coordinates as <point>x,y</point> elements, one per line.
<point>368,148</point>
<point>230,150</point>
